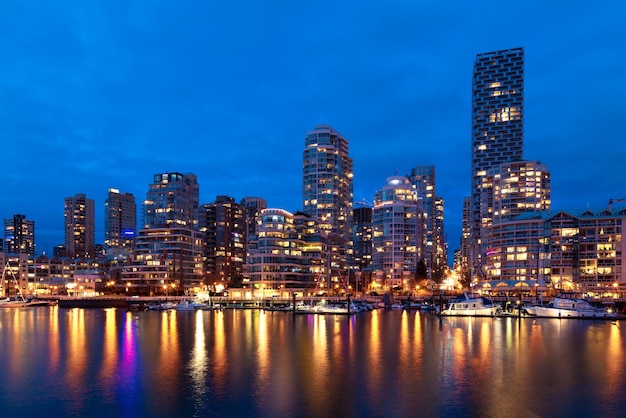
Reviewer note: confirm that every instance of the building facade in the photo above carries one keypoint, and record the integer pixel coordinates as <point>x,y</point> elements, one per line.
<point>166,260</point>
<point>223,230</point>
<point>396,227</point>
<point>172,198</point>
<point>120,222</point>
<point>80,226</point>
<point>284,255</point>
<point>327,191</point>
<point>568,250</point>
<point>497,129</point>
<point>19,235</point>
<point>252,207</point>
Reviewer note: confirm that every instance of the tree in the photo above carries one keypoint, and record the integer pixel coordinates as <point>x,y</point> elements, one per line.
<point>422,271</point>
<point>236,282</point>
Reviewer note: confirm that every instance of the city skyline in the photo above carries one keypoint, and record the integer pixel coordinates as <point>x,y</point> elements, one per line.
<point>97,97</point>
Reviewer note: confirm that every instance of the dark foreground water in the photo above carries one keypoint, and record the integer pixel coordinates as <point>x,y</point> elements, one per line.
<point>113,363</point>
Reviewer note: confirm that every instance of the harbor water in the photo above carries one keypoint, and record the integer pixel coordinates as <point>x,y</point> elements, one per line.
<point>251,363</point>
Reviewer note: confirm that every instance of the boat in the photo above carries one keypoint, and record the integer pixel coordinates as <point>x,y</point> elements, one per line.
<point>33,303</point>
<point>325,307</point>
<point>466,305</point>
<point>569,307</point>
<point>185,305</point>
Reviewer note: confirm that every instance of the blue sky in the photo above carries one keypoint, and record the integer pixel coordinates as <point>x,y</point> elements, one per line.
<point>100,94</point>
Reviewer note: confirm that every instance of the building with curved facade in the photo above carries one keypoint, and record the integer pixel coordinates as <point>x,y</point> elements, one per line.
<point>396,226</point>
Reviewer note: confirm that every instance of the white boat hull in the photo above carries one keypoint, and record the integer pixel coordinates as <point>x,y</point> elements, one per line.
<point>548,312</point>
<point>487,311</point>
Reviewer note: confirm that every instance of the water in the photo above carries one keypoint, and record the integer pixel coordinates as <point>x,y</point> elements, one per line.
<point>114,363</point>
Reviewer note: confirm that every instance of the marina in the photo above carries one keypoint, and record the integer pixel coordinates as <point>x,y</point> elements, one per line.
<point>251,362</point>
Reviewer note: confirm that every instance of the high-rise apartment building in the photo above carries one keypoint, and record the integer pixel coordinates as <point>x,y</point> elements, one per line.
<point>287,254</point>
<point>431,247</point>
<point>79,226</point>
<point>223,229</point>
<point>173,198</point>
<point>327,190</point>
<point>168,249</point>
<point>252,207</point>
<point>464,250</point>
<point>396,227</point>
<point>120,221</point>
<point>497,128</point>
<point>19,235</point>
<point>513,188</point>
<point>362,238</point>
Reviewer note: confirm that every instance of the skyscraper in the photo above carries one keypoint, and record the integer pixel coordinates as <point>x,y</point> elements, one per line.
<point>120,220</point>
<point>222,226</point>
<point>79,226</point>
<point>423,178</point>
<point>19,235</point>
<point>252,207</point>
<point>396,228</point>
<point>168,249</point>
<point>327,190</point>
<point>497,128</point>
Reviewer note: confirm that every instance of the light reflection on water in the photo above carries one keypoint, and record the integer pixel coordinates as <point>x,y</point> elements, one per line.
<point>267,364</point>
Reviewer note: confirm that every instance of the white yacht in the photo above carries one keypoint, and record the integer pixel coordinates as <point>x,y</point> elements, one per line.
<point>564,307</point>
<point>465,305</point>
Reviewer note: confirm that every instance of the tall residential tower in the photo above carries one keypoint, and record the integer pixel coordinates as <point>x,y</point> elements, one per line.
<point>327,190</point>
<point>120,221</point>
<point>80,231</point>
<point>497,129</point>
<point>19,235</point>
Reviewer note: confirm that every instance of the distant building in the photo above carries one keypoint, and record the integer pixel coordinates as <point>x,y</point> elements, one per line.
<point>252,207</point>
<point>172,199</point>
<point>120,222</point>
<point>14,275</point>
<point>464,250</point>
<point>79,226</point>
<point>497,129</point>
<point>19,235</point>
<point>59,251</point>
<point>362,238</point>
<point>327,190</point>
<point>396,227</point>
<point>223,228</point>
<point>363,244</point>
